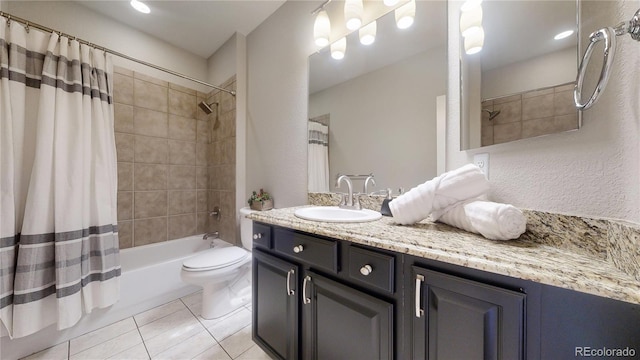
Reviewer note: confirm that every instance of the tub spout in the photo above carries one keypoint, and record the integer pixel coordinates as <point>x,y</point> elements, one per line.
<point>214,235</point>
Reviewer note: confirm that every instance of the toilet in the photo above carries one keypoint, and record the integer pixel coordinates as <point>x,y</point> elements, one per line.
<point>223,272</point>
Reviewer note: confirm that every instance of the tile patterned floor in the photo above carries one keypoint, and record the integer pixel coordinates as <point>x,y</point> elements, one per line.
<point>172,331</point>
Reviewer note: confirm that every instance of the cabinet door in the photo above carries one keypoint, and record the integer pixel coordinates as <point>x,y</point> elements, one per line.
<point>275,305</point>
<point>455,318</point>
<point>342,323</point>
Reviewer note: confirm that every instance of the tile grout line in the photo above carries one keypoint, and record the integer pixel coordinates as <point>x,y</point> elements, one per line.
<point>141,338</point>
<point>207,330</point>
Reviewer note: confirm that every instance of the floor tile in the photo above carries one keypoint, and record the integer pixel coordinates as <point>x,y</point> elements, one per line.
<point>58,352</point>
<point>193,301</point>
<point>210,322</point>
<point>101,335</point>
<point>158,312</point>
<point>214,353</point>
<point>254,353</point>
<point>189,348</point>
<point>173,337</point>
<point>238,343</point>
<point>138,352</point>
<point>110,348</point>
<point>229,326</point>
<point>177,320</point>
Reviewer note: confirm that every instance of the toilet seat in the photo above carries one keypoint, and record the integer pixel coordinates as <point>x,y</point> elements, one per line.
<point>215,259</point>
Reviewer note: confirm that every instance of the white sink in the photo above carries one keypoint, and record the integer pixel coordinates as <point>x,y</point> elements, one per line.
<point>336,214</point>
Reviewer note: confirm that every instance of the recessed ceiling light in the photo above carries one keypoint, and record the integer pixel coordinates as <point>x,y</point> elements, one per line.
<point>140,6</point>
<point>563,35</point>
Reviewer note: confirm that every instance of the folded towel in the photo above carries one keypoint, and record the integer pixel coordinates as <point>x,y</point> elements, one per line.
<point>439,193</point>
<point>492,220</point>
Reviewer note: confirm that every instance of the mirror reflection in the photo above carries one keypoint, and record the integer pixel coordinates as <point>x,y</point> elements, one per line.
<point>520,84</point>
<point>377,105</point>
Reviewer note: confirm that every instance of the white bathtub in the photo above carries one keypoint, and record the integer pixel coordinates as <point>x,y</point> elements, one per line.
<point>150,277</point>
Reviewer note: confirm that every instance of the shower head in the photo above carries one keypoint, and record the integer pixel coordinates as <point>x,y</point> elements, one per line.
<point>492,114</point>
<point>207,107</point>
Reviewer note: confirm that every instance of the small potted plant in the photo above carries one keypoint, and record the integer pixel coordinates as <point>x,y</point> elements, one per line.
<point>261,201</point>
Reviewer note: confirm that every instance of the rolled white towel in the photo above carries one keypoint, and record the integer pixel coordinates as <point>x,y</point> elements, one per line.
<point>439,193</point>
<point>492,220</point>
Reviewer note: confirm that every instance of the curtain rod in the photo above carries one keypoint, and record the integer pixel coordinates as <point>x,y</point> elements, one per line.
<point>28,24</point>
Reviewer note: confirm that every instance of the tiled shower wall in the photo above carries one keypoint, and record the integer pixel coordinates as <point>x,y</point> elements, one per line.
<point>533,113</point>
<point>163,141</point>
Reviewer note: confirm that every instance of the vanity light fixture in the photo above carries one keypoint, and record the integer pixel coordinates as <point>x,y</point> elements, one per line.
<point>469,5</point>
<point>471,21</point>
<point>474,42</point>
<point>563,35</point>
<point>368,33</point>
<point>338,49</point>
<point>390,3</point>
<point>140,6</point>
<point>322,29</point>
<point>405,14</point>
<point>353,10</point>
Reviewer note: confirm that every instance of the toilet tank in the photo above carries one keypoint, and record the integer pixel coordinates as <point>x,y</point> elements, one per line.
<point>246,228</point>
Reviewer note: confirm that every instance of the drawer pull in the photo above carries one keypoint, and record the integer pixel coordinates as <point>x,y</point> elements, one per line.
<point>419,280</point>
<point>298,249</point>
<point>257,236</point>
<point>305,299</point>
<point>289,291</point>
<point>366,270</point>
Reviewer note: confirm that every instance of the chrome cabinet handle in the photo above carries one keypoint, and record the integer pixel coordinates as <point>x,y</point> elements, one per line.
<point>366,270</point>
<point>305,299</point>
<point>419,280</point>
<point>298,249</point>
<point>289,273</point>
<point>257,236</point>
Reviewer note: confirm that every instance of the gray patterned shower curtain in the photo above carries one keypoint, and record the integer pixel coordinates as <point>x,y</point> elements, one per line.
<point>59,254</point>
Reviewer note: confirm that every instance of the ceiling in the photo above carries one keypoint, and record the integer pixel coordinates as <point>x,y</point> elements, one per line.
<point>199,27</point>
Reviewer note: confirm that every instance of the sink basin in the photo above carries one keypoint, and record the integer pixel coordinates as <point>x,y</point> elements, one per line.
<point>336,214</point>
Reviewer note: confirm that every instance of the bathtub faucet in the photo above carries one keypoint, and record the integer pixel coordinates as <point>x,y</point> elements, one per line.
<point>214,235</point>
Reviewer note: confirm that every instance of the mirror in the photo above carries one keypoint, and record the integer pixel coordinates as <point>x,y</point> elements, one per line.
<point>380,101</point>
<point>520,85</point>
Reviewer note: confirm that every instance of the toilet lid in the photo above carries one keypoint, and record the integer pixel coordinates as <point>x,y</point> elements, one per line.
<point>215,259</point>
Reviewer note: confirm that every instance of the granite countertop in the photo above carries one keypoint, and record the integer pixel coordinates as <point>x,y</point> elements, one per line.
<point>523,259</point>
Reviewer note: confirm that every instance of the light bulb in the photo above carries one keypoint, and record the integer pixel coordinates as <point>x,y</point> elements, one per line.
<point>474,42</point>
<point>140,6</point>
<point>471,21</point>
<point>470,5</point>
<point>368,33</point>
<point>405,14</point>
<point>339,48</point>
<point>564,34</point>
<point>322,29</point>
<point>390,2</point>
<point>353,13</point>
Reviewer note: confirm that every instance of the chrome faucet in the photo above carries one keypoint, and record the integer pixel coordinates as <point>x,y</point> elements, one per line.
<point>349,202</point>
<point>366,183</point>
<point>214,235</point>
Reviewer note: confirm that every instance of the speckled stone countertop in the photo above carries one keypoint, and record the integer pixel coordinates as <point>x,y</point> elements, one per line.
<point>589,270</point>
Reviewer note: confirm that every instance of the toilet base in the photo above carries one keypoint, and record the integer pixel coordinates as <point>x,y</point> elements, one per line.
<point>221,299</point>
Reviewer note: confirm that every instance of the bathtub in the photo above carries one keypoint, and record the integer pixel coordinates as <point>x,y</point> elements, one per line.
<point>150,277</point>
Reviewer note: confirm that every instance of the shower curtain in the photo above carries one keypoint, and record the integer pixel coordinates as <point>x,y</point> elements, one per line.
<point>318,153</point>
<point>58,230</point>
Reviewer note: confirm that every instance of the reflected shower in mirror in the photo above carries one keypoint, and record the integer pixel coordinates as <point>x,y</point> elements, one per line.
<point>520,85</point>
<point>382,100</point>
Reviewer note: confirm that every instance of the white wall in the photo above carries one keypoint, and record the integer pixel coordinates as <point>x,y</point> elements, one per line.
<point>543,71</point>
<point>591,172</point>
<point>222,64</point>
<point>77,20</point>
<point>374,130</point>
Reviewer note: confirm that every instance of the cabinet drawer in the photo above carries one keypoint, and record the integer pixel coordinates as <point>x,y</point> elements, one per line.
<point>372,268</point>
<point>313,251</point>
<point>261,235</point>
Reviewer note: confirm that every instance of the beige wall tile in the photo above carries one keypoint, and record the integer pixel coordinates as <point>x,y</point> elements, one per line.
<point>228,222</point>
<point>181,226</point>
<point>122,89</point>
<point>202,200</point>
<point>214,177</point>
<point>566,87</point>
<point>215,153</point>
<point>149,231</point>
<point>228,175</point>
<point>150,96</point>
<point>507,132</point>
<point>182,177</point>
<point>151,79</point>
<point>227,102</point>
<point>150,122</point>
<point>150,177</point>
<point>486,136</point>
<point>537,127</point>
<point>123,118</point>
<point>509,112</point>
<point>202,177</point>
<point>125,205</point>
<point>202,224</point>
<point>125,176</point>
<point>535,93</point>
<point>505,99</point>
<point>227,124</point>
<point>214,200</point>
<point>125,234</point>
<point>566,122</point>
<point>124,147</point>
<point>564,104</point>
<point>182,89</point>
<point>150,204</point>
<point>151,150</point>
<point>123,71</point>
<point>485,115</point>
<point>182,104</point>
<point>229,151</point>
<point>182,128</point>
<point>182,202</point>
<point>537,107</point>
<point>203,133</point>
<point>182,152</point>
<point>202,150</point>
